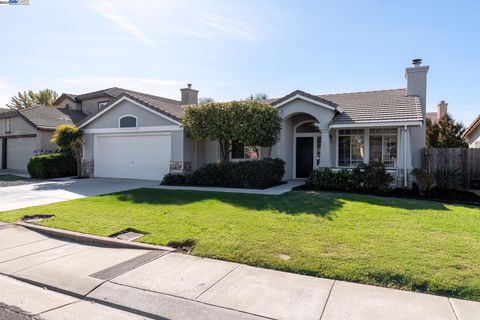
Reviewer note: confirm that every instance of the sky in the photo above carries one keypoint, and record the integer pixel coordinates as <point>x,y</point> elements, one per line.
<point>231,49</point>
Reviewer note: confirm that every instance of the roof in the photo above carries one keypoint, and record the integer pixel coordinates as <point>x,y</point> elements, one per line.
<point>472,126</point>
<point>44,117</point>
<point>169,107</point>
<point>307,95</point>
<point>391,105</point>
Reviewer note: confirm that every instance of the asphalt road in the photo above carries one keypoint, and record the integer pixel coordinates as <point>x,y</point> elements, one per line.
<point>8,314</point>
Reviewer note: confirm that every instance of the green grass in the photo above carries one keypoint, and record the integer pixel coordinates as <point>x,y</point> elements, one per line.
<point>409,244</point>
<point>11,177</point>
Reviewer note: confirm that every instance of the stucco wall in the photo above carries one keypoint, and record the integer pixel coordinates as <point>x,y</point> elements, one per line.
<point>418,141</point>
<point>91,105</point>
<point>67,101</point>
<point>44,137</point>
<point>18,126</point>
<point>145,118</point>
<point>474,138</point>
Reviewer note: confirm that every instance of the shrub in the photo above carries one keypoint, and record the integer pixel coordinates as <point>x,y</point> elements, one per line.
<point>54,165</point>
<point>448,178</point>
<point>243,174</point>
<point>371,177</point>
<point>425,180</point>
<point>326,179</point>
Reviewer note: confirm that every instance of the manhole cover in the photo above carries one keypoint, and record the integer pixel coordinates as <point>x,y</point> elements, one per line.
<point>128,234</point>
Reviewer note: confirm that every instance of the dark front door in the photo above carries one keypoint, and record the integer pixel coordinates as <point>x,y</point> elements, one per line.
<point>304,156</point>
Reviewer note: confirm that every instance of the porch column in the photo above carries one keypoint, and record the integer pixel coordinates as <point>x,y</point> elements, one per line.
<point>325,149</point>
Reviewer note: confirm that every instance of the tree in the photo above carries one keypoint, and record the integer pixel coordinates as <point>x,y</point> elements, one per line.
<point>30,98</point>
<point>204,100</point>
<point>249,122</point>
<point>70,139</point>
<point>446,133</point>
<point>258,96</point>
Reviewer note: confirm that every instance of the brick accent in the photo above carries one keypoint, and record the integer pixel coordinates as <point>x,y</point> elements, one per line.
<point>180,166</point>
<point>87,168</point>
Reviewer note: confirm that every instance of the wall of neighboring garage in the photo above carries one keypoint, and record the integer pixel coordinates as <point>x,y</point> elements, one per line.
<point>44,140</point>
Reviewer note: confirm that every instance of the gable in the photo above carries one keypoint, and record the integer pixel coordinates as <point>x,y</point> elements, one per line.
<point>299,106</point>
<point>145,118</point>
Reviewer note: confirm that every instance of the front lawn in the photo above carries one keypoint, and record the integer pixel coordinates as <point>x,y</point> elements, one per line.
<point>408,244</point>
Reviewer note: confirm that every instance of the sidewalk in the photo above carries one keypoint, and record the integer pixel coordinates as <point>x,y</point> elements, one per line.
<point>138,283</point>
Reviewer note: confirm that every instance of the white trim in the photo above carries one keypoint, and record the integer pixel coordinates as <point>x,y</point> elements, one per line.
<point>132,101</point>
<point>120,134</point>
<point>376,124</point>
<point>302,97</point>
<point>128,115</point>
<point>134,129</point>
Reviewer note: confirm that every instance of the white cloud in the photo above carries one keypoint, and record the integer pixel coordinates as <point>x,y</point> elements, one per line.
<point>227,25</point>
<point>110,12</point>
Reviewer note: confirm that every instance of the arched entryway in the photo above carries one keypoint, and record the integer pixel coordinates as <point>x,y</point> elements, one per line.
<point>306,147</point>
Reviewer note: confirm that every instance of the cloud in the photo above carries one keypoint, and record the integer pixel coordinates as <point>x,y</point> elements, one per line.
<point>108,11</point>
<point>228,25</point>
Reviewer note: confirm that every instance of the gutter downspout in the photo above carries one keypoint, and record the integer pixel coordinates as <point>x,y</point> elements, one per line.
<point>405,179</point>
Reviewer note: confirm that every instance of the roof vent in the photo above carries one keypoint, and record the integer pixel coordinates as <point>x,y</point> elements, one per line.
<point>417,62</point>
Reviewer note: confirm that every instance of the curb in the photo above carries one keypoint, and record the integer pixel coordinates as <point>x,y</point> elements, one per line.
<point>91,239</point>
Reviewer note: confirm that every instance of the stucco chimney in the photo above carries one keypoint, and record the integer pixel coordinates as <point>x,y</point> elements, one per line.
<point>189,95</point>
<point>417,82</point>
<point>442,109</point>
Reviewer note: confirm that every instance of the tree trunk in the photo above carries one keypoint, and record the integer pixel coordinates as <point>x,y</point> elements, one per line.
<point>225,149</point>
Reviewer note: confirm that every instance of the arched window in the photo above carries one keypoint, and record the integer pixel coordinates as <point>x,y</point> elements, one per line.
<point>308,127</point>
<point>127,122</point>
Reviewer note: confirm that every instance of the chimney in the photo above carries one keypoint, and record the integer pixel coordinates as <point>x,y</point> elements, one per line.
<point>417,82</point>
<point>189,95</point>
<point>442,109</point>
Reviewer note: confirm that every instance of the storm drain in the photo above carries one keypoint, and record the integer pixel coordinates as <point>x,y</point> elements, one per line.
<point>37,218</point>
<point>128,234</point>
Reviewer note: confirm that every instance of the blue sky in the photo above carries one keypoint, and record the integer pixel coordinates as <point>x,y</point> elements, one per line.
<point>230,49</point>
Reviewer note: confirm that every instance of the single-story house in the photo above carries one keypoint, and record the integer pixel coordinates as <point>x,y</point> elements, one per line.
<point>24,133</point>
<point>472,133</point>
<point>130,134</point>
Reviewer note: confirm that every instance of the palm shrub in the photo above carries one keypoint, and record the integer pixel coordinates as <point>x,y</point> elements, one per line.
<point>70,139</point>
<point>425,180</point>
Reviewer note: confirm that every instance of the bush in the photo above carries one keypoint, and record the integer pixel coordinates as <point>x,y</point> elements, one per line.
<point>425,180</point>
<point>372,177</point>
<point>54,165</point>
<point>243,174</point>
<point>326,179</point>
<point>448,178</point>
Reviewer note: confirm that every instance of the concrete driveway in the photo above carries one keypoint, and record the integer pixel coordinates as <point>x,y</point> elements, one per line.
<point>17,197</point>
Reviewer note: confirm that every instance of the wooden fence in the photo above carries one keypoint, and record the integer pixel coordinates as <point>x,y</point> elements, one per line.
<point>466,160</point>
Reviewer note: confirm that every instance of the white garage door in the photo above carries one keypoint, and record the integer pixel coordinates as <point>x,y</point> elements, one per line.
<point>19,152</point>
<point>134,156</point>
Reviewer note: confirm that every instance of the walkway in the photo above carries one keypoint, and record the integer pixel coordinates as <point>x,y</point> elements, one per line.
<point>160,284</point>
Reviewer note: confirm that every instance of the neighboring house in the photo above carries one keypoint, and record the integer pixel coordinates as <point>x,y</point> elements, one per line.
<point>26,132</point>
<point>472,133</point>
<point>135,135</point>
<point>442,110</point>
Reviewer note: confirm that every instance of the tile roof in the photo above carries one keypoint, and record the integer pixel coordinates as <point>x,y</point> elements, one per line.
<point>49,117</point>
<point>370,106</point>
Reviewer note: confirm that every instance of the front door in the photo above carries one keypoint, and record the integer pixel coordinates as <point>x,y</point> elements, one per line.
<point>304,157</point>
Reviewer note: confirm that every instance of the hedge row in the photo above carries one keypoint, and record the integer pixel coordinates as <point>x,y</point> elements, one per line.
<point>54,165</point>
<point>256,174</point>
<point>368,178</point>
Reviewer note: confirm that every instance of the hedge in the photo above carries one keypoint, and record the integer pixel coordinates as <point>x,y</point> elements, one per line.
<point>54,165</point>
<point>255,174</point>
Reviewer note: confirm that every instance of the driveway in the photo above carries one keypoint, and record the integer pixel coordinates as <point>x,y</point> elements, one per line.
<point>17,197</point>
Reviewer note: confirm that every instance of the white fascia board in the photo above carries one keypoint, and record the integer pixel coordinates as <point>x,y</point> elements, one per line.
<point>299,96</point>
<point>134,102</point>
<point>134,130</point>
<point>377,124</point>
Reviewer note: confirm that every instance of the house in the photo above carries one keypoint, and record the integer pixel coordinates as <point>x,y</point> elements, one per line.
<point>472,133</point>
<point>130,134</point>
<point>442,110</point>
<point>24,133</point>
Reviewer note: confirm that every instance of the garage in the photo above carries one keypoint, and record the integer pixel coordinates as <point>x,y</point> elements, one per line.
<point>18,152</point>
<point>132,156</point>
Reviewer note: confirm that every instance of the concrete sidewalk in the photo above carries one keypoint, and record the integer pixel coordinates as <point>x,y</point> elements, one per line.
<point>167,285</point>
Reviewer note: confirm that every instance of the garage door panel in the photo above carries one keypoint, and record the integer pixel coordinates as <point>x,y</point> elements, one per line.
<point>19,152</point>
<point>133,156</point>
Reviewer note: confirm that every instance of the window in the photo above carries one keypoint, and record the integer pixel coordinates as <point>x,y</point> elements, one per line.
<point>127,122</point>
<point>240,151</point>
<point>101,104</point>
<point>7,125</point>
<point>308,127</point>
<point>383,146</point>
<point>350,147</point>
